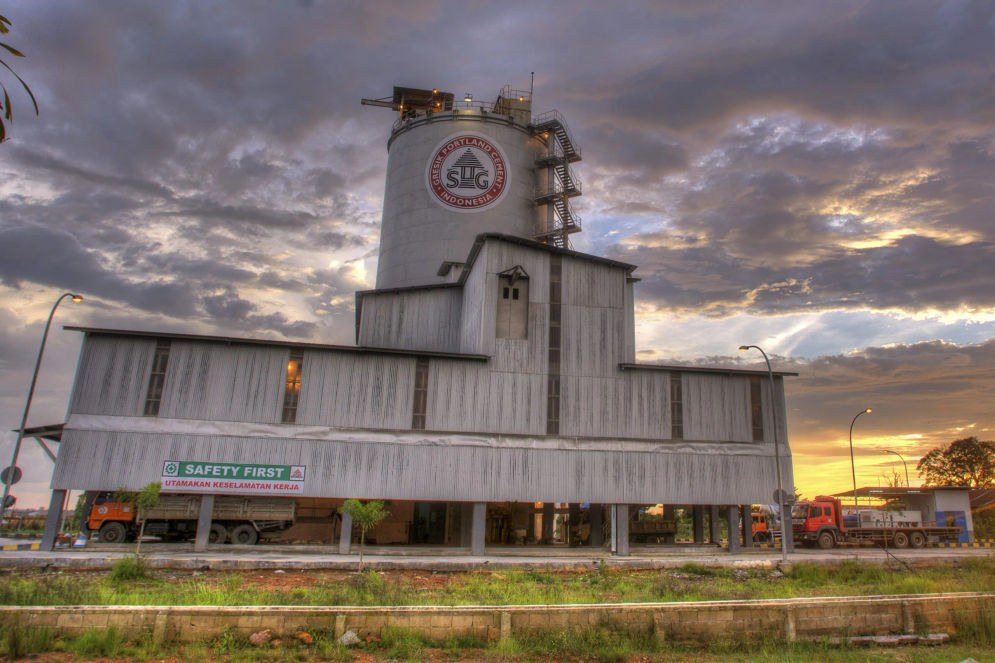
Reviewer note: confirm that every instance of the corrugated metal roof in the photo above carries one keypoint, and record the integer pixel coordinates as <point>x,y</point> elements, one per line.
<point>701,369</point>
<point>291,344</point>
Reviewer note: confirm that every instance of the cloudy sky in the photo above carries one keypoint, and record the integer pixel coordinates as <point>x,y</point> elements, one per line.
<point>815,178</point>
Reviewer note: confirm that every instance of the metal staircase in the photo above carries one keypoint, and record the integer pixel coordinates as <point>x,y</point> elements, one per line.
<point>561,183</point>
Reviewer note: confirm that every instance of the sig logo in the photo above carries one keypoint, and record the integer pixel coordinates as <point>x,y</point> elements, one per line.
<point>170,468</point>
<point>297,472</point>
<point>467,173</point>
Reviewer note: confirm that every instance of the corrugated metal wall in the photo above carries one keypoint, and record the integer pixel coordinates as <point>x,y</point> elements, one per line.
<point>113,375</point>
<point>101,460</point>
<point>419,320</point>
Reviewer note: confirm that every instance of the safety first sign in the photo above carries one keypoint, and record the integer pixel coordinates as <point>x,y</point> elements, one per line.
<point>243,479</point>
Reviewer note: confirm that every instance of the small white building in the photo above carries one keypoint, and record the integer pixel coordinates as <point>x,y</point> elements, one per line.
<point>493,385</point>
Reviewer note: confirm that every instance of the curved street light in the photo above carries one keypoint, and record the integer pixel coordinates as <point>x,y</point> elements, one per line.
<point>889,451</point>
<point>31,393</point>
<point>853,468</point>
<point>785,516</point>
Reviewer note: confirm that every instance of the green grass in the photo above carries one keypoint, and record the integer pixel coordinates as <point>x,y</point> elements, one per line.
<point>127,585</point>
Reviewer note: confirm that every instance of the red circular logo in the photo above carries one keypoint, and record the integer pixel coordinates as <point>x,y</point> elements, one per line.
<point>467,173</point>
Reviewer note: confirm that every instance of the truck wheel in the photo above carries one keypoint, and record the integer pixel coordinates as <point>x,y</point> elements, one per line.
<point>113,532</point>
<point>826,540</point>
<point>218,533</point>
<point>900,540</point>
<point>917,539</point>
<point>244,535</point>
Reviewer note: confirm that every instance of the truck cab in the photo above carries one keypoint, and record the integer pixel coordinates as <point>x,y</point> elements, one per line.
<point>817,522</point>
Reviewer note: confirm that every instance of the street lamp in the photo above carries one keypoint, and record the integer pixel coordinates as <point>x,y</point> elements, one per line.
<point>853,468</point>
<point>889,451</point>
<point>785,516</point>
<point>27,405</point>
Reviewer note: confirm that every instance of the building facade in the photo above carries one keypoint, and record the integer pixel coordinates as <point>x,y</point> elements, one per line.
<point>492,392</point>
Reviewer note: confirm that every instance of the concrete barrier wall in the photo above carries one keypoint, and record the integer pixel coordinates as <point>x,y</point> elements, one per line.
<point>701,622</point>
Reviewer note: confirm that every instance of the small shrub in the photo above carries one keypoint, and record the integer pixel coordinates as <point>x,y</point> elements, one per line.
<point>230,641</point>
<point>94,643</point>
<point>128,569</point>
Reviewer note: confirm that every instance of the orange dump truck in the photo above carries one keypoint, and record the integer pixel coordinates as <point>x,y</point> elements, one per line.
<point>234,519</point>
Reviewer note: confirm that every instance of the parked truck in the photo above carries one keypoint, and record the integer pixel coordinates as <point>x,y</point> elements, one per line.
<point>821,522</point>
<point>234,519</point>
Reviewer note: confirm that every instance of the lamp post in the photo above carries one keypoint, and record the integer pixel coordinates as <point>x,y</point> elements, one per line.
<point>31,393</point>
<point>889,451</point>
<point>853,468</point>
<point>785,516</point>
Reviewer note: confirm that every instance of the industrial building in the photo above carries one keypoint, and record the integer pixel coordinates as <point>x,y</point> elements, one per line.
<point>492,396</point>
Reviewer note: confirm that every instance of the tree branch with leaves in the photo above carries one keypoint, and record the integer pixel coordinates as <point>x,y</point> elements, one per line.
<point>6,110</point>
<point>966,462</point>
<point>142,502</point>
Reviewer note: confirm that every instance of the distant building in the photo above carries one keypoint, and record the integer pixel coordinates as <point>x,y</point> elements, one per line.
<point>492,394</point>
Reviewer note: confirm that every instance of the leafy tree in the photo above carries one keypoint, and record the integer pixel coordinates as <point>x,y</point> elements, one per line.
<point>966,462</point>
<point>5,106</point>
<point>366,516</point>
<point>142,501</point>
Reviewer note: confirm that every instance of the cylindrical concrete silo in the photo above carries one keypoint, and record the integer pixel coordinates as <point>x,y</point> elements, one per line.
<point>458,169</point>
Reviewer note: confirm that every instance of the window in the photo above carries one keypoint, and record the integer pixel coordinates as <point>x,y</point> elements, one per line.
<point>420,405</point>
<point>756,409</point>
<point>157,379</point>
<point>512,317</point>
<point>676,406</point>
<point>292,389</point>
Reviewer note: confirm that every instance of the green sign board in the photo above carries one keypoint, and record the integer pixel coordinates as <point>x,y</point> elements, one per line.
<point>242,478</point>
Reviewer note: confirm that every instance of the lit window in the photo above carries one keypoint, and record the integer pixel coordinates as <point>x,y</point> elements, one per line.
<point>292,390</point>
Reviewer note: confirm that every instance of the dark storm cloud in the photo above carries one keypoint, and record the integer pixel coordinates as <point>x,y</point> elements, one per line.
<point>232,311</point>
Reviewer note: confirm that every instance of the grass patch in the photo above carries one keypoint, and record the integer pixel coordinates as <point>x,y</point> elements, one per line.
<point>129,569</point>
<point>97,643</point>
<point>128,584</point>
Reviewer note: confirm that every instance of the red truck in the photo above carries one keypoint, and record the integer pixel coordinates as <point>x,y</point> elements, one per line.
<point>821,522</point>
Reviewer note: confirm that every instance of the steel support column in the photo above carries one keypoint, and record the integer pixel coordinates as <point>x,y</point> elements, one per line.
<point>53,519</point>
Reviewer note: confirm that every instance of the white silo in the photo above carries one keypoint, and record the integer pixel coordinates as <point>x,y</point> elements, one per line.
<point>456,169</point>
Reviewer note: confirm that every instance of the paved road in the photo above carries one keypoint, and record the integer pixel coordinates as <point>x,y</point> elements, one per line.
<point>425,557</point>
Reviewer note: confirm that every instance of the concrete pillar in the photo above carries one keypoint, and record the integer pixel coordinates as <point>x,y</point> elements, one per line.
<point>53,519</point>
<point>466,524</point>
<point>84,524</point>
<point>597,525</point>
<point>746,517</point>
<point>548,514</point>
<point>204,523</point>
<point>620,529</point>
<point>345,534</point>
<point>573,514</point>
<point>479,528</point>
<point>699,523</point>
<point>713,524</point>
<point>669,513</point>
<point>732,518</point>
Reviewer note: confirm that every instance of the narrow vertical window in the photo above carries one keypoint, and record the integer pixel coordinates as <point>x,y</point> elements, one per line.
<point>292,388</point>
<point>420,405</point>
<point>676,407</point>
<point>512,315</point>
<point>157,378</point>
<point>756,409</point>
<point>555,345</point>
